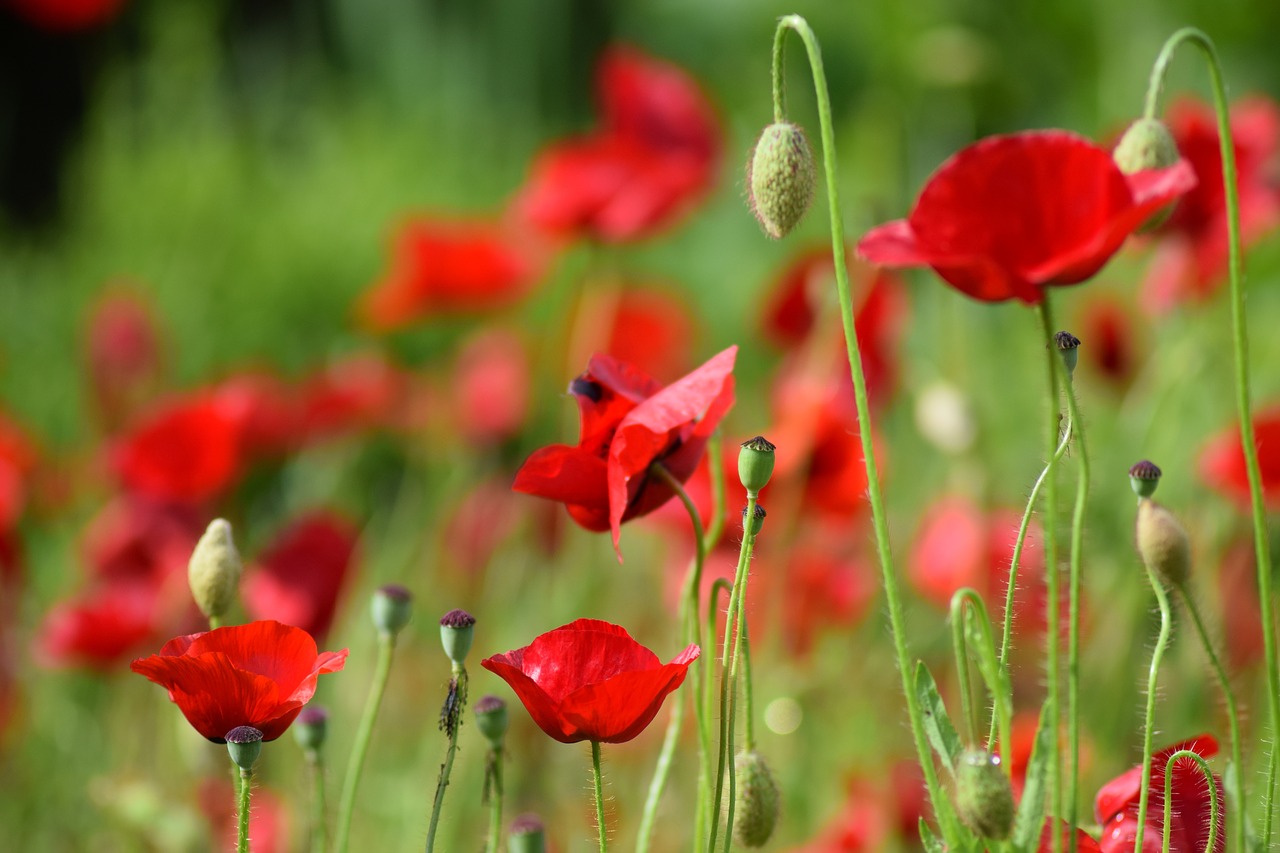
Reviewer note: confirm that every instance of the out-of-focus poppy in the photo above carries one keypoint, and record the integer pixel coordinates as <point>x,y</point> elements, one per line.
<point>123,355</point>
<point>268,819</point>
<point>490,387</point>
<point>628,423</point>
<point>266,411</point>
<point>184,450</point>
<point>1222,464</point>
<point>101,627</point>
<point>820,588</point>
<point>1109,340</point>
<point>259,675</point>
<point>589,680</point>
<point>653,330</point>
<point>1010,215</point>
<point>135,539</point>
<point>1238,597</point>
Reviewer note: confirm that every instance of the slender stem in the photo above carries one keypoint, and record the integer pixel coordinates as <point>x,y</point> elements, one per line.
<point>599,783</point>
<point>1053,634</point>
<point>993,674</point>
<point>738,603</point>
<point>495,801</point>
<point>960,648</point>
<point>437,805</point>
<point>1240,341</point>
<point>246,786</point>
<point>382,672</point>
<point>1161,642</point>
<point>1236,807</point>
<point>1214,808</point>
<point>946,817</point>
<point>1073,595</point>
<point>715,468</point>
<point>319,812</point>
<point>748,695</point>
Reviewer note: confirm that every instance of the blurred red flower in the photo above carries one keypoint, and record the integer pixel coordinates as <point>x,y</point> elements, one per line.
<point>268,819</point>
<point>1084,841</point>
<point>67,15</point>
<point>135,539</point>
<point>1191,262</point>
<point>1011,214</point>
<point>101,627</point>
<point>1110,340</point>
<point>1238,599</point>
<point>1222,464</point>
<point>299,578</point>
<point>185,450</point>
<point>589,680</point>
<point>439,267</point>
<point>628,423</point>
<point>18,459</point>
<point>1116,806</point>
<point>259,675</point>
<point>357,392</point>
<point>490,387</point>
<point>123,356</point>
<point>654,154</point>
<point>820,588</point>
<point>652,330</point>
<point>266,411</point>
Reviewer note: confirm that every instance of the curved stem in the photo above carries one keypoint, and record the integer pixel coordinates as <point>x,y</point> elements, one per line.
<point>1053,634</point>
<point>1212,784</point>
<point>1152,676</point>
<point>599,784</point>
<point>458,688</point>
<point>1240,351</point>
<point>319,812</point>
<point>360,747</point>
<point>246,786</point>
<point>946,817</point>
<point>1073,618</point>
<point>1236,809</point>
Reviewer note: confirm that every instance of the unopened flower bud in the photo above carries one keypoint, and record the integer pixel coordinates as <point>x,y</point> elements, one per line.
<point>1163,543</point>
<point>214,570</point>
<point>756,805</point>
<point>1144,476</point>
<point>1069,348</point>
<point>1147,144</point>
<point>527,835</point>
<point>311,727</point>
<point>984,797</point>
<point>391,607</point>
<point>456,630</point>
<point>244,743</point>
<point>757,521</point>
<point>780,178</point>
<point>755,463</point>
<point>491,719</point>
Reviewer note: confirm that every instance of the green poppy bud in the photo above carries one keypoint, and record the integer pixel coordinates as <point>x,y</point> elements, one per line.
<point>456,630</point>
<point>1069,348</point>
<point>755,463</point>
<point>491,719</point>
<point>984,797</point>
<point>1163,543</point>
<point>244,743</point>
<point>1144,476</point>
<point>757,521</point>
<point>214,570</point>
<point>780,178</point>
<point>311,727</point>
<point>757,801</point>
<point>527,835</point>
<point>1147,144</point>
<point>391,608</point>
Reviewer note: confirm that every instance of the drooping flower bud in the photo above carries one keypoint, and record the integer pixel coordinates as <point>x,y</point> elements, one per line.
<point>1162,542</point>
<point>456,630</point>
<point>214,570</point>
<point>756,805</point>
<point>491,719</point>
<point>311,728</point>
<point>244,744</point>
<point>391,608</point>
<point>1144,476</point>
<point>780,178</point>
<point>527,835</point>
<point>1069,348</point>
<point>755,463</point>
<point>1147,144</point>
<point>984,797</point>
<point>757,521</point>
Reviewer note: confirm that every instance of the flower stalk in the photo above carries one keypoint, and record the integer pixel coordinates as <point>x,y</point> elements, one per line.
<point>598,779</point>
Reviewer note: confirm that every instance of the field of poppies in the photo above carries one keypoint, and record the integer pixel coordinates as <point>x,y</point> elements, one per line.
<point>564,426</point>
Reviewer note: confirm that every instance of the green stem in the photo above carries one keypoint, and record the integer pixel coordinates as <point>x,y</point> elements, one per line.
<point>214,623</point>
<point>1214,808</point>
<point>1052,633</point>
<point>993,673</point>
<point>959,647</point>
<point>599,783</point>
<point>1161,642</point>
<point>1073,595</point>
<point>437,805</point>
<point>1240,341</point>
<point>1236,807</point>
<point>246,786</point>
<point>495,801</point>
<point>319,813</point>
<point>946,817</point>
<point>748,695</point>
<point>382,672</point>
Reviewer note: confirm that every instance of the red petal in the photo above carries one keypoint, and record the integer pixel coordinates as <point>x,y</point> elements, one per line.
<point>563,473</point>
<point>618,709</point>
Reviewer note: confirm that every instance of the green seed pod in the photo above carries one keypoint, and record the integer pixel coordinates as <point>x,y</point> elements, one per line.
<point>1147,144</point>
<point>780,178</point>
<point>1144,476</point>
<point>984,797</point>
<point>527,835</point>
<point>755,463</point>
<point>491,719</point>
<point>756,805</point>
<point>214,570</point>
<point>391,608</point>
<point>757,520</point>
<point>244,743</point>
<point>1163,543</point>
<point>456,630</point>
<point>1069,348</point>
<point>311,727</point>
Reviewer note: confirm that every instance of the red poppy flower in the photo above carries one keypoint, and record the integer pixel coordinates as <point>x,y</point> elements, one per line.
<point>299,579</point>
<point>822,589</point>
<point>652,330</point>
<point>1111,345</point>
<point>268,819</point>
<point>133,539</point>
<point>655,153</point>
<point>490,387</point>
<point>357,392</point>
<point>1238,599</point>
<point>1116,806</point>
<point>589,680</point>
<point>1011,214</point>
<point>1222,463</point>
<point>1191,261</point>
<point>123,355</point>
<point>442,267</point>
<point>266,411</point>
<point>186,451</point>
<point>629,422</point>
<point>258,675</point>
<point>67,15</point>
<point>1084,841</point>
<point>101,628</point>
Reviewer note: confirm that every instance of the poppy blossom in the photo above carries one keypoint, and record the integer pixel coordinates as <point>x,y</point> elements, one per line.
<point>1191,261</point>
<point>1012,214</point>
<point>100,628</point>
<point>1084,841</point>
<point>1222,464</point>
<point>628,423</point>
<point>490,387</point>
<point>1112,347</point>
<point>589,680</point>
<point>259,675</point>
<point>186,450</point>
<point>1116,806</point>
<point>300,577</point>
<point>123,356</point>
<point>655,153</point>
<point>653,330</point>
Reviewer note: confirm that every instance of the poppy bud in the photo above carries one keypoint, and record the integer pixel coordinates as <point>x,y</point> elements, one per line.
<point>1068,347</point>
<point>391,608</point>
<point>1144,476</point>
<point>780,178</point>
<point>1163,543</point>
<point>755,809</point>
<point>984,797</point>
<point>755,463</point>
<point>757,522</point>
<point>1147,144</point>
<point>214,570</point>
<point>456,629</point>
<point>491,719</point>
<point>311,727</point>
<point>244,743</point>
<point>527,835</point>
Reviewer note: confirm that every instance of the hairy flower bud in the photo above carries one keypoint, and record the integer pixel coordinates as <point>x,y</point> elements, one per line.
<point>214,570</point>
<point>1162,542</point>
<point>756,805</point>
<point>984,797</point>
<point>780,178</point>
<point>1147,144</point>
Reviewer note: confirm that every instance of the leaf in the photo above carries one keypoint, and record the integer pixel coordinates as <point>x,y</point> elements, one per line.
<point>937,725</point>
<point>930,841</point>
<point>1027,825</point>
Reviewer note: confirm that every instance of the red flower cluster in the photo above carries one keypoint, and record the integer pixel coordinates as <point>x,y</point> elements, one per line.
<point>1222,464</point>
<point>1010,215</point>
<point>589,680</point>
